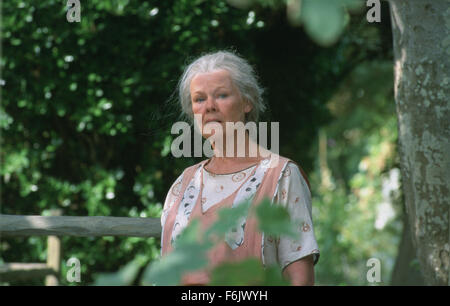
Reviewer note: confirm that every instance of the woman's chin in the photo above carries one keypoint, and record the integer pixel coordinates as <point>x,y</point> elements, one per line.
<point>210,135</point>
<point>213,125</point>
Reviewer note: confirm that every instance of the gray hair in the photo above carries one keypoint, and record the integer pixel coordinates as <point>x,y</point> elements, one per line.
<point>242,75</point>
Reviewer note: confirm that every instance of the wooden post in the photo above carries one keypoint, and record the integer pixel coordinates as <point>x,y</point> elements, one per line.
<point>53,255</point>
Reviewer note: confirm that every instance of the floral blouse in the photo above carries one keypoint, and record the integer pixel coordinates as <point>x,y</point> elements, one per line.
<point>292,192</point>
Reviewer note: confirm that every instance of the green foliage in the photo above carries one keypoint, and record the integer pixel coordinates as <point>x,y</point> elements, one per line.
<point>248,272</point>
<point>191,247</point>
<point>189,254</point>
<point>86,127</point>
<point>124,277</point>
<point>361,150</point>
<point>228,219</point>
<point>323,20</point>
<point>274,220</point>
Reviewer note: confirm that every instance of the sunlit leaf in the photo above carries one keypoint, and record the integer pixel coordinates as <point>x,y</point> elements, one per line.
<point>323,20</point>
<point>274,220</point>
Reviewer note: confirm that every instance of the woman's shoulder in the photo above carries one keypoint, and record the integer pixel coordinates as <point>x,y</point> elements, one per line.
<point>289,167</point>
<point>283,162</point>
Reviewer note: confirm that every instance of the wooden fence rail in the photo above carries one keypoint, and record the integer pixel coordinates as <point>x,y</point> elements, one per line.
<point>24,226</point>
<point>21,226</point>
<point>18,271</point>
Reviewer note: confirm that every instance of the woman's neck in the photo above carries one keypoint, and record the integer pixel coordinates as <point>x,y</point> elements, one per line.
<point>224,163</point>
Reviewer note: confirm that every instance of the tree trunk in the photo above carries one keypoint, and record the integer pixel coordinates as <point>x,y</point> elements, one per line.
<point>405,272</point>
<point>421,53</point>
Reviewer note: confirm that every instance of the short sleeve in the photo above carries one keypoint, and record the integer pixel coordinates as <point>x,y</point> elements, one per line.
<point>171,198</point>
<point>293,193</point>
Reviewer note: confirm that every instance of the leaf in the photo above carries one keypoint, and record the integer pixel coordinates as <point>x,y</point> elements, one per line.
<point>273,277</point>
<point>124,277</point>
<point>243,273</point>
<point>166,147</point>
<point>248,272</point>
<point>353,5</point>
<point>228,219</point>
<point>188,255</point>
<point>274,220</point>
<point>323,19</point>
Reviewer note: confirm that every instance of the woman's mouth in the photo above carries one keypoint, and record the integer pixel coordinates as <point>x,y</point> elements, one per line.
<point>212,120</point>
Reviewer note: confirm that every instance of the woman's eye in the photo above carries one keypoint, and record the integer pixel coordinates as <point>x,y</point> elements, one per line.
<point>198,99</point>
<point>223,96</point>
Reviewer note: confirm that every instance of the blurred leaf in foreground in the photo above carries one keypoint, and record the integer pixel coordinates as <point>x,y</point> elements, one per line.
<point>228,219</point>
<point>249,272</point>
<point>274,220</point>
<point>124,277</point>
<point>188,255</point>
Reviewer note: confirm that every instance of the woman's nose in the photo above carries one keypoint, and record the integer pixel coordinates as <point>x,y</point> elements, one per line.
<point>210,104</point>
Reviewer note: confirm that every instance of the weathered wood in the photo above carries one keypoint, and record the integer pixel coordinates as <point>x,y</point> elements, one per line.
<point>24,271</point>
<point>20,226</point>
<point>53,254</point>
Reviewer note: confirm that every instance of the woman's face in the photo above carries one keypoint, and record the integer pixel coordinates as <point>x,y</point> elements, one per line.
<point>217,100</point>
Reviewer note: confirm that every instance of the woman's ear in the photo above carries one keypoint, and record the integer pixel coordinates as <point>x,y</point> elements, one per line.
<point>247,107</point>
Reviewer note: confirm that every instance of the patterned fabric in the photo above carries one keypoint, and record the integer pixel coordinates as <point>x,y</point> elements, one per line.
<point>220,186</point>
<point>292,192</point>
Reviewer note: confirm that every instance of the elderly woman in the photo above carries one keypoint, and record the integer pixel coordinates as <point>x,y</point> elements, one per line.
<point>218,88</point>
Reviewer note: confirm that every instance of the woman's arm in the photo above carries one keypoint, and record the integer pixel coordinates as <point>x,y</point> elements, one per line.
<point>297,255</point>
<point>300,272</point>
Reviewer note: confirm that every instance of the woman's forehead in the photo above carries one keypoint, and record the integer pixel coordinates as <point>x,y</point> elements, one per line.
<point>211,80</point>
